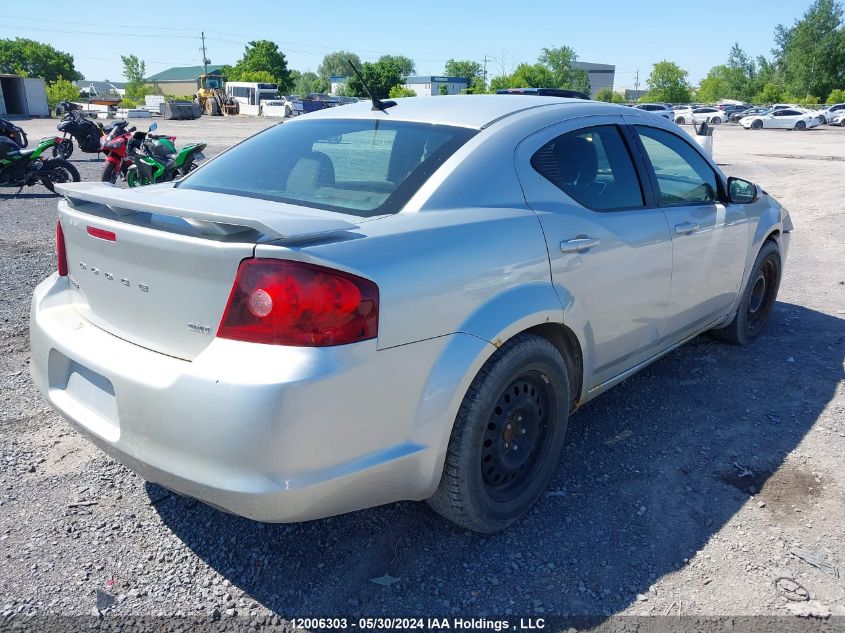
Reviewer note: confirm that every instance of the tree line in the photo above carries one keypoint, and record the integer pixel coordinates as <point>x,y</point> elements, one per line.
<point>807,65</point>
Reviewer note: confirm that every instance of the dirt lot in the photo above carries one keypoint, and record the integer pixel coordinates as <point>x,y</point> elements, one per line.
<point>683,489</point>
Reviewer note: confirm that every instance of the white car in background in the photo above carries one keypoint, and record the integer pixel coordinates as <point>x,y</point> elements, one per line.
<point>660,109</point>
<point>830,112</point>
<point>785,118</point>
<point>710,114</point>
<point>838,118</point>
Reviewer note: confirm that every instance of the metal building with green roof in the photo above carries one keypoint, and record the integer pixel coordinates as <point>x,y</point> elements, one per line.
<point>181,80</point>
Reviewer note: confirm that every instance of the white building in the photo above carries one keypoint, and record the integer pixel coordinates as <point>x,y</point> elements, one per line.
<point>429,85</point>
<point>424,86</point>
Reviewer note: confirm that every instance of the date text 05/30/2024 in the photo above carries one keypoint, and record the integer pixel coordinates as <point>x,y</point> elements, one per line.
<point>382,624</point>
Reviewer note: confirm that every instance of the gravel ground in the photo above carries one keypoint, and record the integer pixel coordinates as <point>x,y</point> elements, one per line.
<point>682,490</point>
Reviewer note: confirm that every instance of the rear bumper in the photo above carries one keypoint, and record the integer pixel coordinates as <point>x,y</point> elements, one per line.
<point>271,433</point>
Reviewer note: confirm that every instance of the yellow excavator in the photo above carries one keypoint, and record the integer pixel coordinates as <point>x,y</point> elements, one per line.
<point>212,97</point>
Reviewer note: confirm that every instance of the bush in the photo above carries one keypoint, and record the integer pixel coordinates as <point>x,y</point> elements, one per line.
<point>836,96</point>
<point>401,91</point>
<point>128,103</point>
<point>608,95</point>
<point>61,90</point>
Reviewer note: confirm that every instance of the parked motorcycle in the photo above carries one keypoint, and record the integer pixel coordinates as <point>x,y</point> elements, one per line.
<point>160,160</point>
<point>63,107</point>
<point>87,133</point>
<point>11,131</point>
<point>25,167</point>
<point>116,145</point>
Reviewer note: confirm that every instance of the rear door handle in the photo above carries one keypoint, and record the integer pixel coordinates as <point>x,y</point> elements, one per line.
<point>578,244</point>
<point>685,228</point>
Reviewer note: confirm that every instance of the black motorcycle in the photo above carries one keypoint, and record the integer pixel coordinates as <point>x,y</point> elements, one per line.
<point>77,126</point>
<point>11,131</point>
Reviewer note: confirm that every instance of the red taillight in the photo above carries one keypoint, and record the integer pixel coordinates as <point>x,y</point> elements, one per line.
<point>102,234</point>
<point>61,253</point>
<point>283,302</point>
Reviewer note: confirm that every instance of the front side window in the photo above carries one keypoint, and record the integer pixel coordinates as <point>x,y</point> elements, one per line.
<point>360,167</point>
<point>683,176</point>
<point>592,166</point>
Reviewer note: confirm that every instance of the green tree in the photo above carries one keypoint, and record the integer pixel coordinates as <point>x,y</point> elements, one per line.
<point>61,90</point>
<point>401,91</point>
<point>810,55</point>
<point>258,76</point>
<point>33,59</point>
<point>715,86</point>
<point>771,92</point>
<point>307,82</point>
<point>560,62</point>
<point>263,55</point>
<point>336,64</point>
<point>380,77</point>
<point>134,69</point>
<point>469,69</point>
<point>405,64</point>
<point>609,96</point>
<point>668,83</point>
<point>444,89</point>
<point>836,96</point>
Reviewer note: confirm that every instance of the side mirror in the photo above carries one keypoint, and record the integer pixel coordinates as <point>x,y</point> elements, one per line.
<point>741,191</point>
<point>153,126</point>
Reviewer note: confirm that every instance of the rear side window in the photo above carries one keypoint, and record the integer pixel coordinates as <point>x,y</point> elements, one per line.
<point>683,176</point>
<point>360,167</point>
<point>592,166</point>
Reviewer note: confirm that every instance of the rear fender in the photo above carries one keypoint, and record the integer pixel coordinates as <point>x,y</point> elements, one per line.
<point>488,328</point>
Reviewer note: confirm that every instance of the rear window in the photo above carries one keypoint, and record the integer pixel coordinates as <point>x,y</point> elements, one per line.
<point>360,167</point>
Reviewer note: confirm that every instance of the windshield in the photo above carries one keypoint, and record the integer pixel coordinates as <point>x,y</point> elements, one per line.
<point>360,167</point>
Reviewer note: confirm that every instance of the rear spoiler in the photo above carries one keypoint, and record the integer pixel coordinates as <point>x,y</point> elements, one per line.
<point>210,213</point>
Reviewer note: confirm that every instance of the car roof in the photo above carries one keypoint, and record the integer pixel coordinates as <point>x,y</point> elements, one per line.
<point>473,111</point>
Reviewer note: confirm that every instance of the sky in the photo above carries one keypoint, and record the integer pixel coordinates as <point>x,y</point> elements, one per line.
<point>631,35</point>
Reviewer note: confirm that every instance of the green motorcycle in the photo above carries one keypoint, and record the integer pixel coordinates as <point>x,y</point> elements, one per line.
<point>161,161</point>
<point>25,167</point>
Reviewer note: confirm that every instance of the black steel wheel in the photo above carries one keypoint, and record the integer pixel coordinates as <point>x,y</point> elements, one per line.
<point>800,125</point>
<point>758,298</point>
<point>756,124</point>
<point>507,437</point>
<point>516,435</point>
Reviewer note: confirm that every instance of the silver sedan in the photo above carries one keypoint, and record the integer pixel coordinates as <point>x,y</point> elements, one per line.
<point>407,301</point>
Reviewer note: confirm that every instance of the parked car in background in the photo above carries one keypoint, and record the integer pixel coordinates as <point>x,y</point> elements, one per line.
<point>697,116</point>
<point>784,118</point>
<point>838,118</point>
<point>313,102</point>
<point>660,109</point>
<point>731,109</point>
<point>829,112</point>
<point>411,313</point>
<point>285,102</point>
<point>741,114</point>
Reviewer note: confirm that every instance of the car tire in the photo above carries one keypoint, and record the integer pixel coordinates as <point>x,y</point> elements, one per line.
<point>519,400</point>
<point>680,120</point>
<point>757,299</point>
<point>756,125</point>
<point>800,125</point>
<point>715,121</point>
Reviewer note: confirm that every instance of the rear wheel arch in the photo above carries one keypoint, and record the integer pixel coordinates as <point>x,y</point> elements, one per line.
<point>567,343</point>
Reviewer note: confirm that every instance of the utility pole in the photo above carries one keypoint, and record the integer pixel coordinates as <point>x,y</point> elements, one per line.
<point>205,59</point>
<point>637,82</point>
<point>485,71</point>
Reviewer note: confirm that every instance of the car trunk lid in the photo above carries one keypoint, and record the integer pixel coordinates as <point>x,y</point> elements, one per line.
<point>155,266</point>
